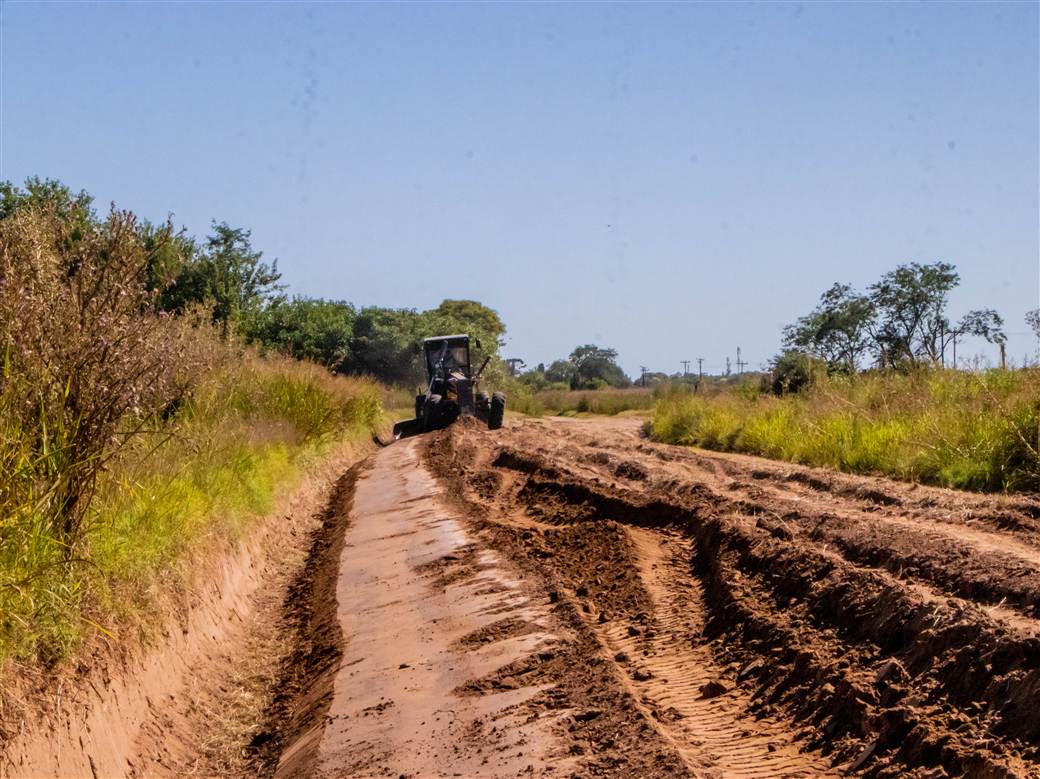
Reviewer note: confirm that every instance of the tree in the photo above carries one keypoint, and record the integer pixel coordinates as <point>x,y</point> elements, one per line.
<point>307,329</point>
<point>592,363</point>
<point>560,372</point>
<point>837,331</point>
<point>75,210</point>
<point>984,323</point>
<point>468,316</point>
<point>228,275</point>
<point>793,371</point>
<point>910,303</point>
<point>1033,320</point>
<point>168,254</point>
<point>386,344</point>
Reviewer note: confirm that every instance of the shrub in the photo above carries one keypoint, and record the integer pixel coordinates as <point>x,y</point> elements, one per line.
<point>87,362</point>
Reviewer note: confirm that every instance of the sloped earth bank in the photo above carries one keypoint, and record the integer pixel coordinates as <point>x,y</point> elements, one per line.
<point>742,617</point>
<point>186,701</point>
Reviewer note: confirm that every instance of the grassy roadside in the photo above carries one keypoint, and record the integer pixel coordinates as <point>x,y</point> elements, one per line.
<point>974,431</point>
<point>561,402</point>
<point>249,432</point>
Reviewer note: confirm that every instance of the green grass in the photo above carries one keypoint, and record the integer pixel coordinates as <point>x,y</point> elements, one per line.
<point>974,431</point>
<point>247,435</point>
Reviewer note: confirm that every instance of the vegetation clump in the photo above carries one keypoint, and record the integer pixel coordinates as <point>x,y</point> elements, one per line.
<point>133,422</point>
<point>906,415</point>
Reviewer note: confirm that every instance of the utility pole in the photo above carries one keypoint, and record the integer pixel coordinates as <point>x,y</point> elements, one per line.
<point>700,371</point>
<point>727,367</point>
<point>942,343</point>
<point>685,366</point>
<point>740,363</point>
<point>642,371</point>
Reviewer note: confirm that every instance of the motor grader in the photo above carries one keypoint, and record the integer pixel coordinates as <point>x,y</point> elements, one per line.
<point>452,389</point>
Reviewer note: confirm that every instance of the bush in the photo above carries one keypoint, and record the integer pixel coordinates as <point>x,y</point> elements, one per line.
<point>794,371</point>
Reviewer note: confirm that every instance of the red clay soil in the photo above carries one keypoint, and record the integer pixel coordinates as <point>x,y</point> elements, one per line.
<point>766,619</point>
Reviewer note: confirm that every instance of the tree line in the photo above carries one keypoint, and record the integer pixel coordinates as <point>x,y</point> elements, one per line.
<point>899,322</point>
<point>588,367</point>
<point>223,277</point>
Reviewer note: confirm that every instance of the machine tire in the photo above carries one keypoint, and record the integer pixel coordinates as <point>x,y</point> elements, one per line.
<point>498,411</point>
<point>482,406</point>
<point>431,413</point>
<point>420,403</point>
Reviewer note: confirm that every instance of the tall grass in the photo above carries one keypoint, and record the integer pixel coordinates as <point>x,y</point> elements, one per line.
<point>127,434</point>
<point>245,436</point>
<point>974,431</point>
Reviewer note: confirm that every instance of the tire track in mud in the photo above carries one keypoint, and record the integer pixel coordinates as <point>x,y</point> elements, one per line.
<point>878,668</point>
<point>701,710</point>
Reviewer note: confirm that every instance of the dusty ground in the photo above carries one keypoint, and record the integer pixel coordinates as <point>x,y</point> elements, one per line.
<point>566,598</point>
<point>768,619</point>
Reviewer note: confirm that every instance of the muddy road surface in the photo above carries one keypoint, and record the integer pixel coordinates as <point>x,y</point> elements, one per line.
<point>566,598</point>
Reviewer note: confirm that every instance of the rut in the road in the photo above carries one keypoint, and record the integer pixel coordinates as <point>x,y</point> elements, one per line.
<point>842,627</point>
<point>668,669</point>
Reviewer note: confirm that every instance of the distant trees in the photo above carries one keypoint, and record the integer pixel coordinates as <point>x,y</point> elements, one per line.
<point>307,329</point>
<point>837,331</point>
<point>228,275</point>
<point>595,366</point>
<point>386,343</point>
<point>1033,320</point>
<point>588,367</point>
<point>900,322</point>
<point>912,327</point>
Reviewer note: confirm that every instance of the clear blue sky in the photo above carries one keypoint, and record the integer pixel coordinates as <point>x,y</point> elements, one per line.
<point>672,180</point>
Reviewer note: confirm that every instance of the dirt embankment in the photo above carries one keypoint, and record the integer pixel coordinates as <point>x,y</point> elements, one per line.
<point>771,620</point>
<point>188,700</point>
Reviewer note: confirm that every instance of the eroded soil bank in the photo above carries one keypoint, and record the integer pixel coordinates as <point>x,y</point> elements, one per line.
<point>188,700</point>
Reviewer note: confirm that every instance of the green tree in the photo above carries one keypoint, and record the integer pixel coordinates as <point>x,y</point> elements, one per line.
<point>1033,320</point>
<point>560,372</point>
<point>475,319</point>
<point>910,302</point>
<point>386,344</point>
<point>168,254</point>
<point>228,275</point>
<point>592,364</point>
<point>307,329</point>
<point>794,371</point>
<point>837,331</point>
<point>75,210</point>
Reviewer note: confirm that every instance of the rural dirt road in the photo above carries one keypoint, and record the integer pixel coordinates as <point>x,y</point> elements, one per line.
<point>566,598</point>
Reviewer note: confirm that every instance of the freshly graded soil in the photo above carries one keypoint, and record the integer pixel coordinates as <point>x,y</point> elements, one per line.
<point>767,619</point>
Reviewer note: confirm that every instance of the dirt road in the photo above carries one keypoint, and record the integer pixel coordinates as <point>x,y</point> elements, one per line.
<point>565,598</point>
